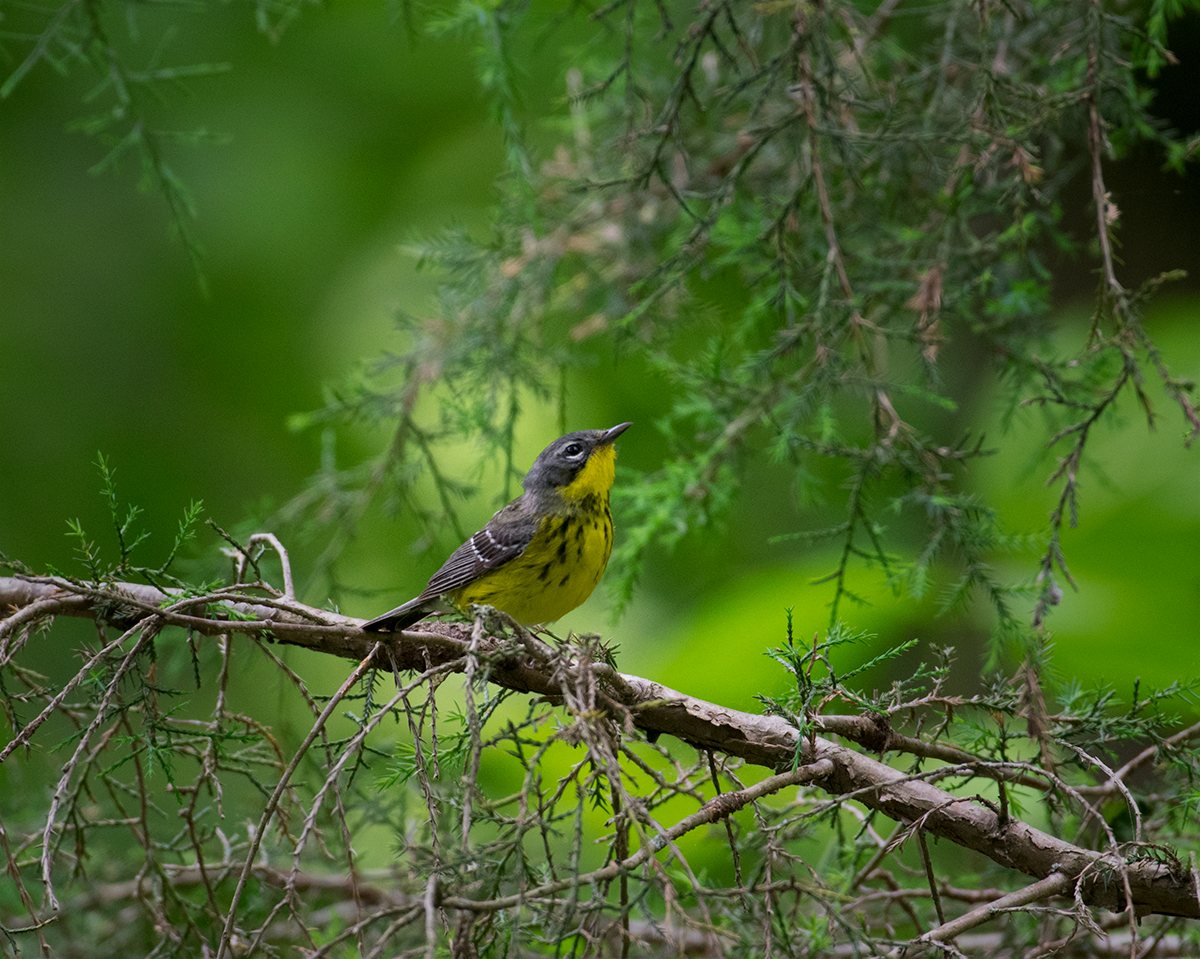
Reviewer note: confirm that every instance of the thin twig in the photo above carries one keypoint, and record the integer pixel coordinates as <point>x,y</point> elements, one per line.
<point>273,803</point>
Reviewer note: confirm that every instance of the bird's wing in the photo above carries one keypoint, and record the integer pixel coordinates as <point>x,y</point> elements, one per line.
<point>504,538</point>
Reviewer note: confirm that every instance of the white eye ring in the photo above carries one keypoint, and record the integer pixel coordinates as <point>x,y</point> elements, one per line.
<point>573,450</point>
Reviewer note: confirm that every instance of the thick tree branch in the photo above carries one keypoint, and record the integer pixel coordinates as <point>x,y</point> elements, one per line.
<point>769,741</point>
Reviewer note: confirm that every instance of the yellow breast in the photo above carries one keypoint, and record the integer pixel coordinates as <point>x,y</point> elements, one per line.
<point>559,568</point>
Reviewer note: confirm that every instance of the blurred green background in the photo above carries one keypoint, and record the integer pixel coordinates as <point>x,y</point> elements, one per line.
<point>330,149</point>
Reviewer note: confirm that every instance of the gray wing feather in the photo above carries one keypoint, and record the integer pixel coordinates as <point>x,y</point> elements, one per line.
<point>504,538</point>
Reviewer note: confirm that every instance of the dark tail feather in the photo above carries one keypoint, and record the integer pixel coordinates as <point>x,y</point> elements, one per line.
<point>402,616</point>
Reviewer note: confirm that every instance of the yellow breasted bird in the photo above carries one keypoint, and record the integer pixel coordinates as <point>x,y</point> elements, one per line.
<point>543,554</point>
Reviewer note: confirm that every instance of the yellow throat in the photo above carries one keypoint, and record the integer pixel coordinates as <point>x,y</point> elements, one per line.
<point>596,477</point>
<point>566,557</point>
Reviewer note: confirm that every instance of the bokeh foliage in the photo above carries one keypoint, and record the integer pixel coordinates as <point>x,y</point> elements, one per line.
<point>820,233</point>
<point>808,243</point>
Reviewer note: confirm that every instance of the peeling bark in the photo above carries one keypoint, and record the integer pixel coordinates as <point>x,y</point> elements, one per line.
<point>768,741</point>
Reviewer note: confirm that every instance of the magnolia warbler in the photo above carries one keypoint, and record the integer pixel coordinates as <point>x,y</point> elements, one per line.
<point>542,554</point>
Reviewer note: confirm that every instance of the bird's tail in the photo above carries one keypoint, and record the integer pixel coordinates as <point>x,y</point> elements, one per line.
<point>404,616</point>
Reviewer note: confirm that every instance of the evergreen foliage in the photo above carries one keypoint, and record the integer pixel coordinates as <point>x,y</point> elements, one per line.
<point>792,215</point>
<point>827,229</point>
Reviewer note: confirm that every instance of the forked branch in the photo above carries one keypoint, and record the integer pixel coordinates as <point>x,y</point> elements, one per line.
<point>1100,878</point>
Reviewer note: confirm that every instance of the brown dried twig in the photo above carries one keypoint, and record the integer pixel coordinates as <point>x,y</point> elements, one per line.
<point>763,740</point>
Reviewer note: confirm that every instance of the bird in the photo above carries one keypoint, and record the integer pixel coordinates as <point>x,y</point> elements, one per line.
<point>541,555</point>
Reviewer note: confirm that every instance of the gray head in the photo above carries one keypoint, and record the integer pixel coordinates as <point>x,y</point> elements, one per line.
<point>558,465</point>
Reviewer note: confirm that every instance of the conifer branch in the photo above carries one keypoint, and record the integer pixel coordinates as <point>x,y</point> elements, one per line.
<point>1155,885</point>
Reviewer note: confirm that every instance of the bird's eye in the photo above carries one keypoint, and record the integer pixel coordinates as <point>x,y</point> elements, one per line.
<point>573,449</point>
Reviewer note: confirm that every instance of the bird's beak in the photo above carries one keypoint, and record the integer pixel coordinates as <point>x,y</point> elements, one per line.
<point>612,434</point>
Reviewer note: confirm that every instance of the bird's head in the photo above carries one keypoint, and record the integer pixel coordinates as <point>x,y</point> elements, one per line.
<point>576,465</point>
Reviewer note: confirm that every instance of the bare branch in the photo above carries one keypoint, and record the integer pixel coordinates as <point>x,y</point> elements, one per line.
<point>1054,884</point>
<point>767,741</point>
